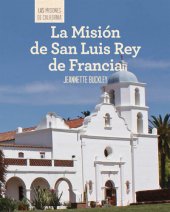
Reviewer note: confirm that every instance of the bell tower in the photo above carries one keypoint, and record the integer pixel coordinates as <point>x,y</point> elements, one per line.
<point>127,94</point>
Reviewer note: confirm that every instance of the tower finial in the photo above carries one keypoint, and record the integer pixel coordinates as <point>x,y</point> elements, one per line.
<point>121,56</point>
<point>124,64</point>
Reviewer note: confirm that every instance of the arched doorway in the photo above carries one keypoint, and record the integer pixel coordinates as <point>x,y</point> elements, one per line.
<point>38,182</point>
<point>110,192</point>
<point>15,188</point>
<point>64,188</point>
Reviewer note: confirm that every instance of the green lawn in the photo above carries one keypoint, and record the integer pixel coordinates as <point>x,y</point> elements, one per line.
<point>135,208</point>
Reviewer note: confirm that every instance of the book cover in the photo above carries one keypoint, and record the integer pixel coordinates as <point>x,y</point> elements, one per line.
<point>80,81</point>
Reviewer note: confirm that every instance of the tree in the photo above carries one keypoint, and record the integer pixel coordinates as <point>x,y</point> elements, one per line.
<point>163,127</point>
<point>86,113</point>
<point>2,171</point>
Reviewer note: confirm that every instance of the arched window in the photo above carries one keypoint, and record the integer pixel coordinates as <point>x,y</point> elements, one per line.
<point>139,123</point>
<point>21,155</point>
<point>137,96</point>
<point>107,120</point>
<point>112,97</point>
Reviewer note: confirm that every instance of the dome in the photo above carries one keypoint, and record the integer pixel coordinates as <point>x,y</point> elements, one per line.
<point>122,76</point>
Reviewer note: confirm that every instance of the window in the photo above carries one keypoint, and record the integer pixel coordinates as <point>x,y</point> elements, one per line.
<point>21,155</point>
<point>42,154</point>
<point>90,186</point>
<point>107,151</point>
<point>107,120</point>
<point>112,97</point>
<point>139,123</point>
<point>127,187</point>
<point>137,96</point>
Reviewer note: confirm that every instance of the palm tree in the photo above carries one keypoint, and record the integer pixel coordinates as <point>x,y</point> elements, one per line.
<point>3,170</point>
<point>2,167</point>
<point>163,127</point>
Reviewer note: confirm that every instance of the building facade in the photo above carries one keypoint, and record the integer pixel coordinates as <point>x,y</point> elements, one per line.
<point>108,155</point>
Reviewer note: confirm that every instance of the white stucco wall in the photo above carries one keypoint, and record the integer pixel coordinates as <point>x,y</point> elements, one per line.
<point>93,150</point>
<point>67,146</point>
<point>11,152</point>
<point>146,164</point>
<point>41,137</point>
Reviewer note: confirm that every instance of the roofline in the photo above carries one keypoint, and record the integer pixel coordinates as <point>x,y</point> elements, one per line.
<point>24,146</point>
<point>119,84</point>
<point>14,133</point>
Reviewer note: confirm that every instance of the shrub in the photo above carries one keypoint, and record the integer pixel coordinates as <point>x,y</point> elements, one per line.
<point>54,199</point>
<point>92,204</point>
<point>23,205</point>
<point>41,198</point>
<point>45,197</point>
<point>7,205</point>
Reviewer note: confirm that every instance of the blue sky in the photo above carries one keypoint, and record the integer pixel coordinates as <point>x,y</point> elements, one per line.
<point>28,90</point>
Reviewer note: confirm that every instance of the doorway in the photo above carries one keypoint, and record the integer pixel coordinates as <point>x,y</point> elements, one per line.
<point>110,192</point>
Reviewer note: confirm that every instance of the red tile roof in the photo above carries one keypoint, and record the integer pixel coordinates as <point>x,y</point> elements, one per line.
<point>10,136</point>
<point>74,123</point>
<point>23,146</point>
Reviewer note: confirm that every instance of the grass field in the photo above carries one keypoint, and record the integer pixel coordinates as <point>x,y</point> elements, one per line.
<point>135,208</point>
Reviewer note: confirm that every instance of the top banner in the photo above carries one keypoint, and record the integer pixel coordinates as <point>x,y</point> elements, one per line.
<point>49,11</point>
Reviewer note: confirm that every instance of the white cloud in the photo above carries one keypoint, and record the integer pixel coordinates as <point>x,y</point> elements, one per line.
<point>31,88</point>
<point>39,87</point>
<point>48,93</point>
